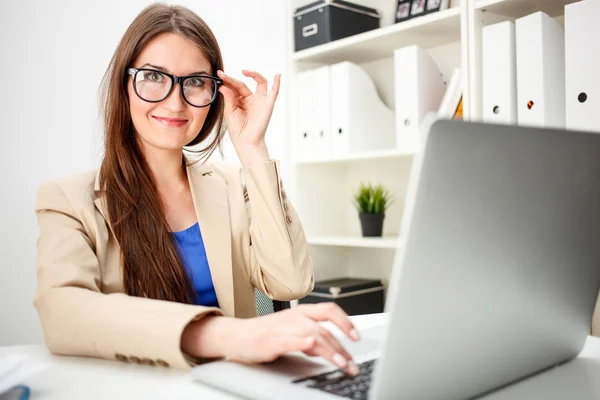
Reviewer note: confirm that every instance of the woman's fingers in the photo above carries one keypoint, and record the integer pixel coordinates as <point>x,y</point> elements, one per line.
<point>230,99</point>
<point>261,82</point>
<point>234,84</point>
<point>330,312</point>
<point>331,350</point>
<point>333,342</point>
<point>241,90</point>
<point>275,88</point>
<point>297,343</point>
<point>322,345</point>
<point>349,367</point>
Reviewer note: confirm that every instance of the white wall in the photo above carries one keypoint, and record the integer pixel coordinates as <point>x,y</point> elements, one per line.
<point>53,56</point>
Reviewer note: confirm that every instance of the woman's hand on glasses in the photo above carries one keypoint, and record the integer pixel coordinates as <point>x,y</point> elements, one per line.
<point>247,114</point>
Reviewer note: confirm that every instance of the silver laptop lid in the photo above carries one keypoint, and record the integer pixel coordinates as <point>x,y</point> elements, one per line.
<point>499,270</point>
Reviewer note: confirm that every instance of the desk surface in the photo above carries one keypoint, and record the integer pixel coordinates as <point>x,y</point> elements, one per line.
<point>78,378</point>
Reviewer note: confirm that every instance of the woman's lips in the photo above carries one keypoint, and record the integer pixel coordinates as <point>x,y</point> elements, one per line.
<point>171,122</point>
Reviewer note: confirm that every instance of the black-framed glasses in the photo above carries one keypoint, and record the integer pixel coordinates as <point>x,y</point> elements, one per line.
<point>154,86</point>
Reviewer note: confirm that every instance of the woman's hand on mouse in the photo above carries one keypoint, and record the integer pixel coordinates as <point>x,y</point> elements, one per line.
<point>264,339</point>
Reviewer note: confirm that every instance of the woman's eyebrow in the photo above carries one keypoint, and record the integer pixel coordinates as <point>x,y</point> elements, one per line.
<point>155,67</point>
<point>165,70</point>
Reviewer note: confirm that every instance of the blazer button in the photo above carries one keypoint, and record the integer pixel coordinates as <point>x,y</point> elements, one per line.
<point>135,359</point>
<point>288,219</point>
<point>286,207</point>
<point>283,195</point>
<point>121,357</point>
<point>147,361</point>
<point>162,363</point>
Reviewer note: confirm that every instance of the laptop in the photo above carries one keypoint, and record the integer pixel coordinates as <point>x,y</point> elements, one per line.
<point>495,277</point>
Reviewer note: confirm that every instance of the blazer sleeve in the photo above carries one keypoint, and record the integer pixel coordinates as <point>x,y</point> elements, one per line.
<point>77,318</point>
<point>280,263</point>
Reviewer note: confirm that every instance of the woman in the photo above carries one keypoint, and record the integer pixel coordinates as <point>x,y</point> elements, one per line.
<point>155,258</point>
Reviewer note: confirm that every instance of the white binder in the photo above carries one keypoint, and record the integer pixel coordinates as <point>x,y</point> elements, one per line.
<point>499,73</point>
<point>540,46</point>
<point>419,89</point>
<point>304,133</point>
<point>452,97</point>
<point>320,101</point>
<point>360,121</point>
<point>582,68</point>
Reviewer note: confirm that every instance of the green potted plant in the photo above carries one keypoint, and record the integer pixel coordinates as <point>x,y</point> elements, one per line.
<point>372,201</point>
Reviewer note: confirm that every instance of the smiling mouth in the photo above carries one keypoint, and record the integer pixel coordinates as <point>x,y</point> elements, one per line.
<point>171,122</point>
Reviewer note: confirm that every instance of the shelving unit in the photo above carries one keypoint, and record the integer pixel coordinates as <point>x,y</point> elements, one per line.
<point>520,8</point>
<point>388,242</point>
<point>487,12</point>
<point>322,188</point>
<point>427,31</point>
<point>366,156</point>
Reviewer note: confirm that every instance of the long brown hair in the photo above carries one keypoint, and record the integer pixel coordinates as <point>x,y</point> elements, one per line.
<point>151,264</point>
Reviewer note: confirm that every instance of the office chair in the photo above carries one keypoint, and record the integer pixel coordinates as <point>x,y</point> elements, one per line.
<point>265,305</point>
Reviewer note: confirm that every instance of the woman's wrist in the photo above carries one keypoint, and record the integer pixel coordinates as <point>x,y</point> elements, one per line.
<point>208,337</point>
<point>253,155</point>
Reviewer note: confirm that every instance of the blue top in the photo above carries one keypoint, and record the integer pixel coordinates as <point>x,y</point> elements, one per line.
<point>192,252</point>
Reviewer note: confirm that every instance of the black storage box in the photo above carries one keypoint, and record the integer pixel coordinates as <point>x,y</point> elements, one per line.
<point>354,296</point>
<point>328,20</point>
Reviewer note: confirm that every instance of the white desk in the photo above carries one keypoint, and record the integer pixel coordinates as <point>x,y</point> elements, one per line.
<point>86,378</point>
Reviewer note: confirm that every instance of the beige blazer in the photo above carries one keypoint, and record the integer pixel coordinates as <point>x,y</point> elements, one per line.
<point>253,239</point>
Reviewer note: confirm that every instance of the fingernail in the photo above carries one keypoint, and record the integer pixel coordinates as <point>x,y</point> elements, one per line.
<point>352,368</point>
<point>339,360</point>
<point>354,334</point>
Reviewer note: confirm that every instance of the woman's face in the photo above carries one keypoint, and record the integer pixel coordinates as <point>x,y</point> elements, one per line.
<point>171,123</point>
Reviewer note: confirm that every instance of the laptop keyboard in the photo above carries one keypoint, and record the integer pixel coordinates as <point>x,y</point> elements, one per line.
<point>338,383</point>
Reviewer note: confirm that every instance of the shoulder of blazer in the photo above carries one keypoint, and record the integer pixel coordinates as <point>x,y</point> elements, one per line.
<point>74,197</point>
<point>78,190</point>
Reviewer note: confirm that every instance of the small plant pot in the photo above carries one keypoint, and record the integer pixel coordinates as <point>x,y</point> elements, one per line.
<point>371,224</point>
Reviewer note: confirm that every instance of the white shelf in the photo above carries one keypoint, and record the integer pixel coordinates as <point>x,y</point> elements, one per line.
<point>428,31</point>
<point>371,156</point>
<point>512,9</point>
<point>386,242</point>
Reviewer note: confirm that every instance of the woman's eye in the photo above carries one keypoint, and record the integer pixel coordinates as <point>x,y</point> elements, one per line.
<point>195,82</point>
<point>152,76</point>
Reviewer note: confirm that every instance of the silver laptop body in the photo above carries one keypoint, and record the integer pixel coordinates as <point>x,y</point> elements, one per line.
<point>496,273</point>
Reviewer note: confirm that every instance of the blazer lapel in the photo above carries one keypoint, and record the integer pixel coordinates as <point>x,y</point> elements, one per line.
<point>212,210</point>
